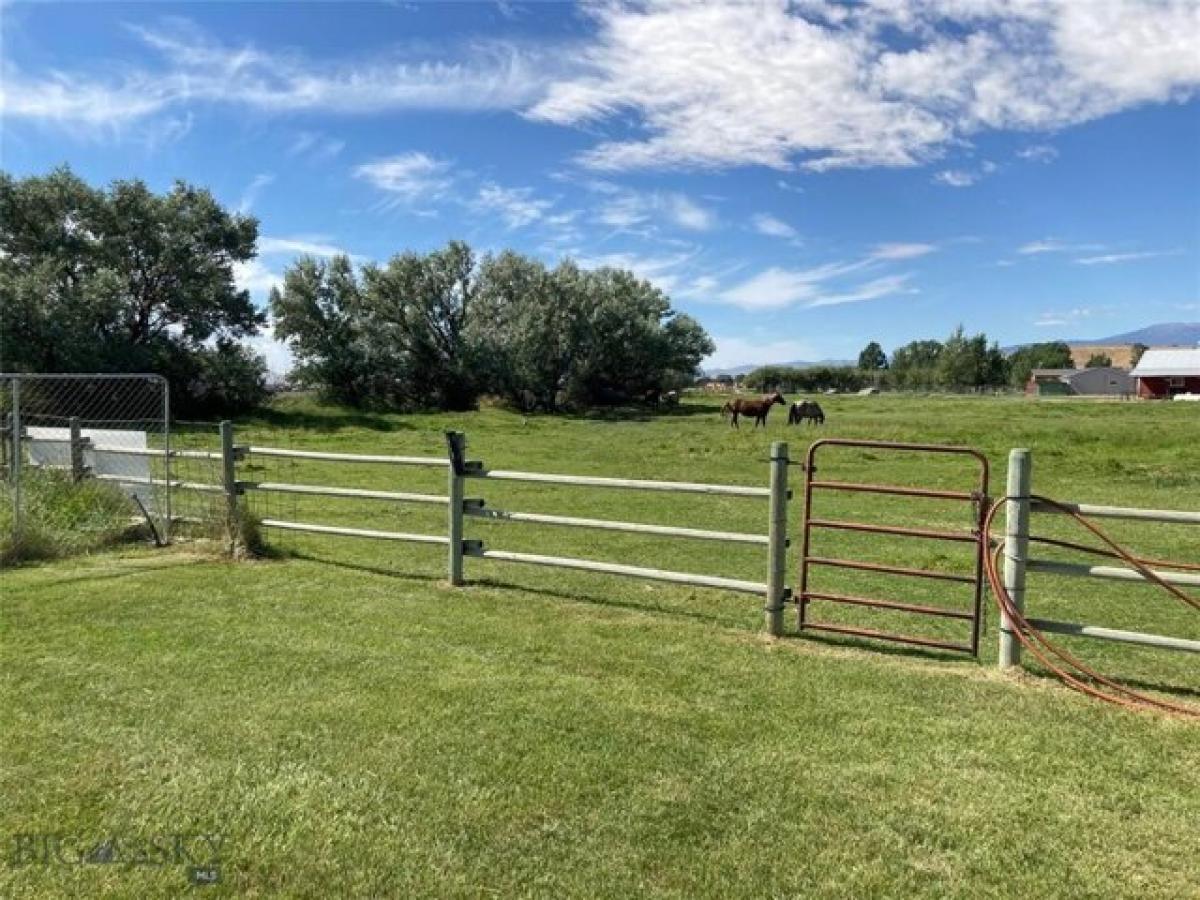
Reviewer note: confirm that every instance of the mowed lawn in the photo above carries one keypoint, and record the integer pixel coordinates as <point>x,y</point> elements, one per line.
<point>353,726</point>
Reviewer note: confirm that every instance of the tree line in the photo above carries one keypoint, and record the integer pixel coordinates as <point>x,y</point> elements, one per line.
<point>961,362</point>
<point>443,328</point>
<point>122,279</point>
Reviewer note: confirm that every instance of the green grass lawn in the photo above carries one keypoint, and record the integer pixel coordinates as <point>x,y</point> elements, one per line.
<point>351,725</point>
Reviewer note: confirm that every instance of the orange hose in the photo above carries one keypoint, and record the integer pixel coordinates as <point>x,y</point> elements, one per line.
<point>1075,673</point>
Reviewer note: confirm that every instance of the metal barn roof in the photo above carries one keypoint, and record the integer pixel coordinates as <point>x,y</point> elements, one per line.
<point>1168,363</point>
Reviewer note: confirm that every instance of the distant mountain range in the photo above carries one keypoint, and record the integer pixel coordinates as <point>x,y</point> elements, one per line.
<point>735,371</point>
<point>1184,334</point>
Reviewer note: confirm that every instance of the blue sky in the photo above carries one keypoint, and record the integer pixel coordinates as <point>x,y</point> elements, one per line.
<point>802,179</point>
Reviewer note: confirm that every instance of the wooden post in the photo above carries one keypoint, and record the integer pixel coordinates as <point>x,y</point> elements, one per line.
<point>456,444</point>
<point>229,482</point>
<point>1016,549</point>
<point>777,539</point>
<point>76,450</point>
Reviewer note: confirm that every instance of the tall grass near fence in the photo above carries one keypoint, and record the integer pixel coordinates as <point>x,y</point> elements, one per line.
<point>64,517</point>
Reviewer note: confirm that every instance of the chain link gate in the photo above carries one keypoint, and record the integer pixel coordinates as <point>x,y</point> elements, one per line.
<point>85,459</point>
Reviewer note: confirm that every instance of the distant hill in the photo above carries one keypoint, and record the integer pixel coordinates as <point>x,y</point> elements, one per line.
<point>1185,334</point>
<point>735,371</point>
<point>1180,333</point>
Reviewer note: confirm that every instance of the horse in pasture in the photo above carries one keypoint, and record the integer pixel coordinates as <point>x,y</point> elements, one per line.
<point>806,410</point>
<point>758,408</point>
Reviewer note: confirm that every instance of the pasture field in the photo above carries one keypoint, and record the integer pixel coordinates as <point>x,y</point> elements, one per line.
<point>350,725</point>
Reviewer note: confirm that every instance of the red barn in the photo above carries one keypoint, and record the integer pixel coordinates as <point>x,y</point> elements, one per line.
<point>1163,373</point>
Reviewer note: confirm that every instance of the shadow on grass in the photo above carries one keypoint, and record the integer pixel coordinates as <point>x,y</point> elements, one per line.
<point>91,578</point>
<point>637,413</point>
<point>881,647</point>
<point>510,587</point>
<point>324,419</point>
<point>591,600</point>
<point>1137,684</point>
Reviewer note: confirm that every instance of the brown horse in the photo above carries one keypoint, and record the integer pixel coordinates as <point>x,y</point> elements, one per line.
<point>758,408</point>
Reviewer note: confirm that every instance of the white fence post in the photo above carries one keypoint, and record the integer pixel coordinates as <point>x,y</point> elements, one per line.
<point>777,540</point>
<point>456,444</point>
<point>1016,549</point>
<point>229,483</point>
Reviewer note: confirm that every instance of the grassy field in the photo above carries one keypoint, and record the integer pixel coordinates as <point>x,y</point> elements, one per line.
<point>351,725</point>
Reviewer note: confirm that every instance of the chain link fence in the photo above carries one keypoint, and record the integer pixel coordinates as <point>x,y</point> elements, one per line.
<point>90,460</point>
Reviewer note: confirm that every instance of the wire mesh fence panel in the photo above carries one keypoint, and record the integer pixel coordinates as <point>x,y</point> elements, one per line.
<point>86,462</point>
<point>198,504</point>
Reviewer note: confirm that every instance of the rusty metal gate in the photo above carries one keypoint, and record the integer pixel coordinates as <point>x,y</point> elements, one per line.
<point>976,496</point>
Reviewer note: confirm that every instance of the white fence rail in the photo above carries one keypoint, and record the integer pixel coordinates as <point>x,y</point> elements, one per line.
<point>460,509</point>
<point>1017,563</point>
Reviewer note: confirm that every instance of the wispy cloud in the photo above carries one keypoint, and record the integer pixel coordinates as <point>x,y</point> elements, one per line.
<point>517,206</point>
<point>1108,259</point>
<point>887,286</point>
<point>625,209</point>
<point>408,178</point>
<point>960,178</point>
<point>315,146</point>
<point>253,189</point>
<point>956,178</point>
<point>664,272</point>
<point>1042,153</point>
<point>1053,245</point>
<point>902,251</point>
<point>309,246</point>
<point>813,84</point>
<point>1070,316</point>
<point>777,287</point>
<point>196,68</point>
<point>765,223</point>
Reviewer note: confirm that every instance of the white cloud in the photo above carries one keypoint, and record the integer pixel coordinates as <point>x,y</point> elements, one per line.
<point>410,177</point>
<point>901,251</point>
<point>315,146</point>
<point>255,277</point>
<point>250,195</point>
<point>818,84</point>
<point>1111,258</point>
<point>274,246</point>
<point>1053,245</point>
<point>1042,153</point>
<point>517,206</point>
<point>1071,316</point>
<point>277,354</point>
<point>688,214</point>
<point>776,287</point>
<point>823,84</point>
<point>661,271</point>
<point>634,211</point>
<point>887,286</point>
<point>764,223</point>
<point>195,68</point>
<point>956,178</point>
<point>740,351</point>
